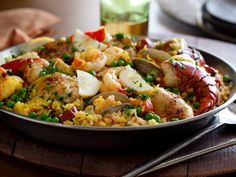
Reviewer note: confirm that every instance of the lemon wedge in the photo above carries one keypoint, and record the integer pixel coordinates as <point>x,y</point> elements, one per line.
<point>130,78</point>
<point>88,84</point>
<point>38,42</point>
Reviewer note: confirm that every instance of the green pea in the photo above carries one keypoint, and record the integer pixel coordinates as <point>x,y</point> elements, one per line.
<point>44,116</point>
<point>149,116</point>
<point>138,110</point>
<point>14,97</point>
<point>23,90</point>
<point>11,104</point>
<point>120,36</point>
<point>227,78</point>
<point>1,103</point>
<point>174,119</point>
<point>114,64</point>
<point>48,119</point>
<point>92,72</point>
<point>42,73</point>
<point>149,78</point>
<point>157,118</point>
<point>73,49</point>
<point>121,62</point>
<point>32,115</point>
<point>66,56</point>
<point>55,119</point>
<point>196,105</point>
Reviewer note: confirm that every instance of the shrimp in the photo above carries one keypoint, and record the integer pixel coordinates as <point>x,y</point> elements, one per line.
<point>91,59</point>
<point>189,76</point>
<point>56,86</point>
<point>114,54</point>
<point>110,80</point>
<point>8,84</point>
<point>169,105</point>
<point>29,67</point>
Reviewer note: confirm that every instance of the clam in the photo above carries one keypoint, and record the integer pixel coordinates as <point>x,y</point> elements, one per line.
<point>158,55</point>
<point>114,108</point>
<point>144,66</point>
<point>118,96</point>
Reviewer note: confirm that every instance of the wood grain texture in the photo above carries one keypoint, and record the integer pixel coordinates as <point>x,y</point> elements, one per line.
<point>65,160</point>
<point>7,139</point>
<point>29,150</point>
<point>11,167</point>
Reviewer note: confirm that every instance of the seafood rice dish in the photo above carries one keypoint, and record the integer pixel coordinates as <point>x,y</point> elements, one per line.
<point>95,79</point>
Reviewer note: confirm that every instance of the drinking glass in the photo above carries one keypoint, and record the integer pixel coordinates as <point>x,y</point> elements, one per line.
<point>125,16</point>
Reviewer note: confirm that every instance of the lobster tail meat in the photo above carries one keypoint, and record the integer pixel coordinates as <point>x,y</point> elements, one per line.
<point>191,76</point>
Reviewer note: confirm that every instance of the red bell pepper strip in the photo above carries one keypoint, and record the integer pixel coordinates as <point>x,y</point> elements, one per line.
<point>98,35</point>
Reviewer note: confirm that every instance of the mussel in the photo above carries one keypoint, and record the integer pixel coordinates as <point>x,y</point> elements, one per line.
<point>144,66</point>
<point>114,108</point>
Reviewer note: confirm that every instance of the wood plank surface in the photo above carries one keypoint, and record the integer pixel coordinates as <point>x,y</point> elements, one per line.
<point>7,139</point>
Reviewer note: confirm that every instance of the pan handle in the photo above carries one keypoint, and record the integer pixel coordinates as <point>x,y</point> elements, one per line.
<point>158,159</point>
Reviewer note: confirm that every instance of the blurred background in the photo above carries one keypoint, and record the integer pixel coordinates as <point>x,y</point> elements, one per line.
<point>166,16</point>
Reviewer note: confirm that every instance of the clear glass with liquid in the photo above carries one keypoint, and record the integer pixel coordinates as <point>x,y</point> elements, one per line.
<point>126,16</point>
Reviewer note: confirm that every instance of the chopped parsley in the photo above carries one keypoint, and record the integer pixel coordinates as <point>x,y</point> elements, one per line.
<point>143,96</point>
<point>49,70</point>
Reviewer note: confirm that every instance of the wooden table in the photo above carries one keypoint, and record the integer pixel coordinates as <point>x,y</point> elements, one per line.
<point>22,156</point>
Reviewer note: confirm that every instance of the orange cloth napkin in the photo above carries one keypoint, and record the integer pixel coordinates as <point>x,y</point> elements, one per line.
<point>20,25</point>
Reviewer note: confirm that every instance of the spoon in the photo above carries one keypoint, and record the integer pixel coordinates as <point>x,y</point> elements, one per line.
<point>226,116</point>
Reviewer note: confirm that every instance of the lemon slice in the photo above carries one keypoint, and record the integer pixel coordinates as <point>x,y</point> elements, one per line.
<point>38,42</point>
<point>88,84</point>
<point>130,78</point>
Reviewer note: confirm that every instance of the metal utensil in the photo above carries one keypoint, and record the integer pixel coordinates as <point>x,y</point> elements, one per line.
<point>191,156</point>
<point>226,116</point>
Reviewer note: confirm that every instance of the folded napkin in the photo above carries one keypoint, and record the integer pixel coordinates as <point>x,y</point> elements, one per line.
<point>20,25</point>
